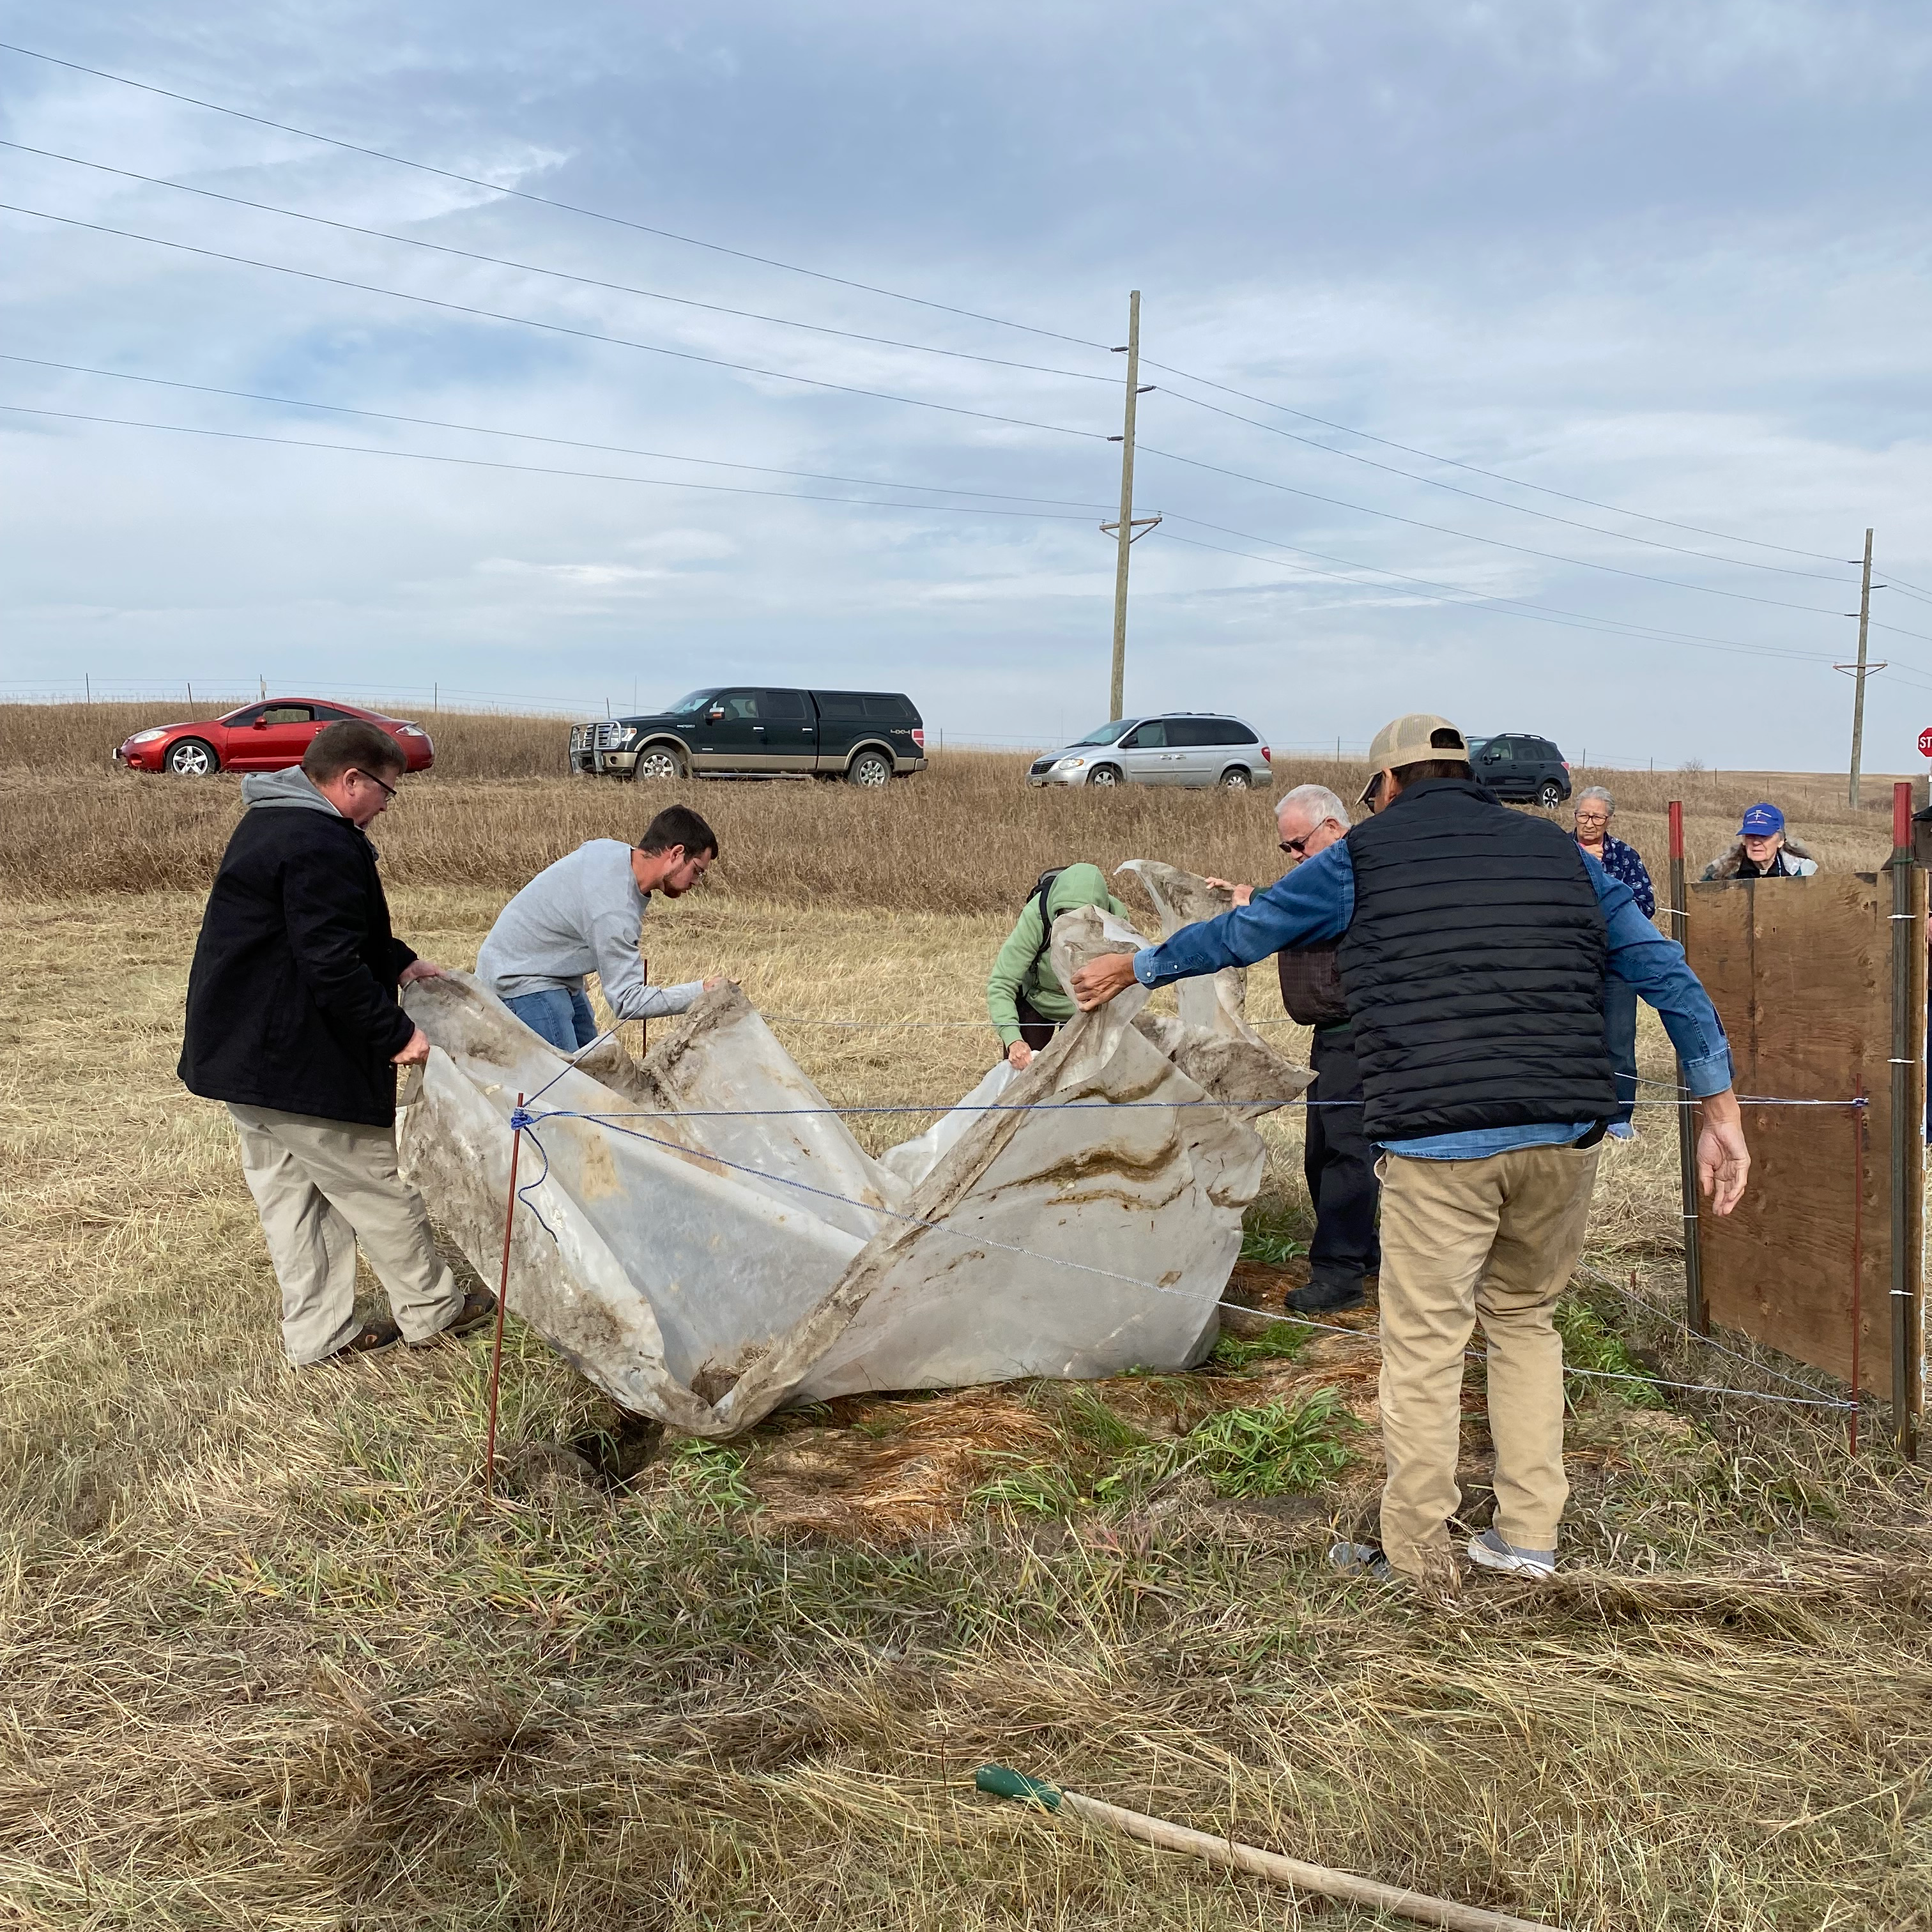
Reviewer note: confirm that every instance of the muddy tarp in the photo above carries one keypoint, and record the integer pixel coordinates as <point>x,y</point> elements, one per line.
<point>705,1239</point>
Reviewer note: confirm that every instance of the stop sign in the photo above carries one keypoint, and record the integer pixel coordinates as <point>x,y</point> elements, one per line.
<point>1925,743</point>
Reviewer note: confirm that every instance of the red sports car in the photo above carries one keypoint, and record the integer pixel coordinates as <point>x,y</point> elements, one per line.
<point>266,737</point>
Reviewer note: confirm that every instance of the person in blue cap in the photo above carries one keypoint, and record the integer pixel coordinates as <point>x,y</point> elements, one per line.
<point>1764,850</point>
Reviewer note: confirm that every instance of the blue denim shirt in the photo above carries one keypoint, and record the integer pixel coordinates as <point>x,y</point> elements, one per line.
<point>1621,861</point>
<point>1316,901</point>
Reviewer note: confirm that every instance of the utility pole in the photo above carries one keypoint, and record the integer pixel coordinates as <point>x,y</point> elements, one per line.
<point>1858,676</point>
<point>1124,532</point>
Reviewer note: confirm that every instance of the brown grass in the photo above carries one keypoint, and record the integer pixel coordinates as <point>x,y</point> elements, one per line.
<point>268,1661</point>
<point>967,836</point>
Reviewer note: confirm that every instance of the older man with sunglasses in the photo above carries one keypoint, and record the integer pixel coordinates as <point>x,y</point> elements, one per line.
<point>1338,1159</point>
<point>293,1021</point>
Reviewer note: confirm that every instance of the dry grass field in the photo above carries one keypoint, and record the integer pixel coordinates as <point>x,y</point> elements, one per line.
<point>271,1660</point>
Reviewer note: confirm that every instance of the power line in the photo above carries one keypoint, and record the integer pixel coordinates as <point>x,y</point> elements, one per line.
<point>1495,475</point>
<point>895,294</point>
<point>1514,605</point>
<point>1477,496</point>
<point>559,274</point>
<point>1511,606</point>
<point>545,200</point>
<point>536,469</point>
<point>1499,543</point>
<point>1541,614</point>
<point>552,328</point>
<point>561,441</point>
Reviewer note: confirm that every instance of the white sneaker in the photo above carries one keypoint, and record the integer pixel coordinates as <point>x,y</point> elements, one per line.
<point>1490,1552</point>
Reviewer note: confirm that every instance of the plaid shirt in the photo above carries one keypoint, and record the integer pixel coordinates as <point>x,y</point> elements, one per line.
<point>1621,861</point>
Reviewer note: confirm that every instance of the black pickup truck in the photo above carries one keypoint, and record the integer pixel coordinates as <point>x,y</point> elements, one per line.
<point>866,737</point>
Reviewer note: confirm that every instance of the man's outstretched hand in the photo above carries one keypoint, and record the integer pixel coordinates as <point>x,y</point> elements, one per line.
<point>1723,1161</point>
<point>1100,979</point>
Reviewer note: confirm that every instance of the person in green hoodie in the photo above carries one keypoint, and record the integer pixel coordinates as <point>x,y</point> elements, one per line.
<point>1024,996</point>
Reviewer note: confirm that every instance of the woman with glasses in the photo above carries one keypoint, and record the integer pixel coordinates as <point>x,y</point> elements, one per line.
<point>1595,808</point>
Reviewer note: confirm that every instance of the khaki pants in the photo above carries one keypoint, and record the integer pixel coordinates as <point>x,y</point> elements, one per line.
<point>321,1187</point>
<point>1492,1240</point>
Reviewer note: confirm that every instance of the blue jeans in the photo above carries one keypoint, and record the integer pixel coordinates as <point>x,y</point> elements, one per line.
<point>1620,1036</point>
<point>560,1015</point>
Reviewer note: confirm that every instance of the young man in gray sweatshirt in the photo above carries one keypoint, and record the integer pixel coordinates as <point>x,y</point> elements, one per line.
<point>585,914</point>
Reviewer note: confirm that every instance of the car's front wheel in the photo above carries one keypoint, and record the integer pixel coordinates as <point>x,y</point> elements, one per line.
<point>659,762</point>
<point>1104,775</point>
<point>192,758</point>
<point>871,769</point>
<point>1550,796</point>
<point>1237,778</point>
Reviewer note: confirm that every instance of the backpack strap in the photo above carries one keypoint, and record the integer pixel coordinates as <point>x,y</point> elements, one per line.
<point>1038,896</point>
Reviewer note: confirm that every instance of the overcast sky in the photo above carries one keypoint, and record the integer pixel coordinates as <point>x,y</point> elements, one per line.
<point>1668,259</point>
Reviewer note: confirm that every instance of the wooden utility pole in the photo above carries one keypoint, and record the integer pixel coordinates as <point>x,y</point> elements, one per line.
<point>1123,530</point>
<point>1858,676</point>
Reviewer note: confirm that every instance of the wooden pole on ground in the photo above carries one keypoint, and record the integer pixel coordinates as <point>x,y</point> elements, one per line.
<point>503,1296</point>
<point>1325,1881</point>
<point>1687,1126</point>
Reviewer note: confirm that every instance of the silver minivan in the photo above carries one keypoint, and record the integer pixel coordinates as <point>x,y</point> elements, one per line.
<point>1195,749</point>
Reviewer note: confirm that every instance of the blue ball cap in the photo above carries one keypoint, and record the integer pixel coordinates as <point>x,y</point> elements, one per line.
<point>1760,821</point>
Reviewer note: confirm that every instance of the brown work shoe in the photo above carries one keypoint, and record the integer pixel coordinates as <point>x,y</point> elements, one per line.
<point>479,1305</point>
<point>371,1337</point>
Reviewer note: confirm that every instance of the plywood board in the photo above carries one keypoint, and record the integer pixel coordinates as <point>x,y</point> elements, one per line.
<point>1801,972</point>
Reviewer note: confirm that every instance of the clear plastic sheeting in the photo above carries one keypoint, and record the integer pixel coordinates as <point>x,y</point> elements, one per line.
<point>704,1238</point>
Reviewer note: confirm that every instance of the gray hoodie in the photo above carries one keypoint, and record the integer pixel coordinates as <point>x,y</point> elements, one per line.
<point>293,788</point>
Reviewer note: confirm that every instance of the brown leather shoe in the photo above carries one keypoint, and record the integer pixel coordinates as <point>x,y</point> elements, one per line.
<point>367,1340</point>
<point>478,1307</point>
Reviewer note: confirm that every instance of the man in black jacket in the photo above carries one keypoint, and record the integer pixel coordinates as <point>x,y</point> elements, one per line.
<point>292,1020</point>
<point>1338,1158</point>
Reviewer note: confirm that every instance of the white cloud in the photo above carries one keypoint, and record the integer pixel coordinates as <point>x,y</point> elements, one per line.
<point>1666,258</point>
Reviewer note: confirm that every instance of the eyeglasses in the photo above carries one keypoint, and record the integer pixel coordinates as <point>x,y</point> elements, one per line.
<point>1593,818</point>
<point>372,779</point>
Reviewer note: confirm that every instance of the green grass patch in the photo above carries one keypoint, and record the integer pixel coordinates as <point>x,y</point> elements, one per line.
<point>1031,1489</point>
<point>712,1475</point>
<point>1279,1341</point>
<point>1276,1245</point>
<point>1589,1343</point>
<point>1267,1450</point>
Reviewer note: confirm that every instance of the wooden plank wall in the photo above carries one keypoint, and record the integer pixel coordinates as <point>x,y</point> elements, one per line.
<point>1801,971</point>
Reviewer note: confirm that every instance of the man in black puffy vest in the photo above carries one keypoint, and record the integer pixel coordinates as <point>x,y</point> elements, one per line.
<point>1474,942</point>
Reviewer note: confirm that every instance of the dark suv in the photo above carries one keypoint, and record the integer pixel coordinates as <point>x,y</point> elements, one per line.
<point>1520,766</point>
<point>745,731</point>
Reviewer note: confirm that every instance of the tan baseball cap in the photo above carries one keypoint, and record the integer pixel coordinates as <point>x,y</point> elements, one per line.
<point>1408,740</point>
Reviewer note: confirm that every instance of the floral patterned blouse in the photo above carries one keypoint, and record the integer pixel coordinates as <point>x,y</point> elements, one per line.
<point>1621,861</point>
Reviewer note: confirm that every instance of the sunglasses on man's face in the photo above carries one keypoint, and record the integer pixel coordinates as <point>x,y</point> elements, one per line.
<point>1295,848</point>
